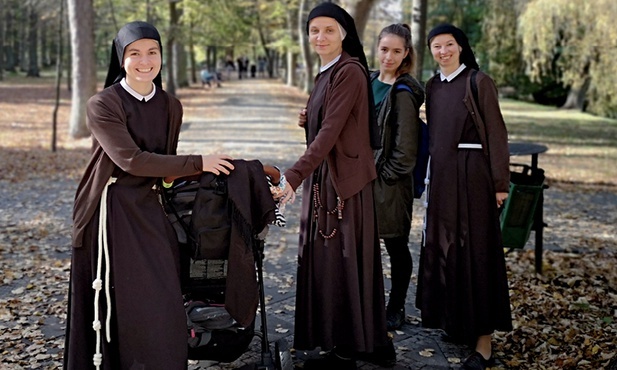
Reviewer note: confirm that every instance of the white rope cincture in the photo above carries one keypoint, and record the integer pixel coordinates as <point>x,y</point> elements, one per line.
<point>427,182</point>
<point>97,284</point>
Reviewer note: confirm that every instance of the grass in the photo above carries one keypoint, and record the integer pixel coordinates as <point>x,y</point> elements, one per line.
<point>582,147</point>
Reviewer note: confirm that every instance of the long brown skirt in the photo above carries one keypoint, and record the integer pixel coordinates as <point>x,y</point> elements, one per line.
<point>148,324</point>
<point>340,294</point>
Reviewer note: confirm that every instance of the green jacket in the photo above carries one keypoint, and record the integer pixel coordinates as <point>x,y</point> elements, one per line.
<point>398,120</point>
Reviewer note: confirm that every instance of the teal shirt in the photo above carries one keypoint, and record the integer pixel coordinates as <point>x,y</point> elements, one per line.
<point>380,90</point>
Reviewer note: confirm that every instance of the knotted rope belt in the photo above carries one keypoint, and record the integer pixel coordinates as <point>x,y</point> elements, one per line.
<point>97,284</point>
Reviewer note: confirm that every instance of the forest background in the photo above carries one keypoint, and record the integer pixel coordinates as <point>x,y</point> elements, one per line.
<point>555,52</point>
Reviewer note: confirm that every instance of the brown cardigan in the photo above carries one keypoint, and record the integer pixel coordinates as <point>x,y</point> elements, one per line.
<point>343,140</point>
<point>112,145</point>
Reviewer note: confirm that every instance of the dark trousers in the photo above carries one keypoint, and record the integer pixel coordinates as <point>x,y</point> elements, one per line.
<point>402,265</point>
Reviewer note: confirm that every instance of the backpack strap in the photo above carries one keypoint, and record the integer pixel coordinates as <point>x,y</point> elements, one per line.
<point>474,86</point>
<point>374,135</point>
<point>403,87</point>
<point>474,91</point>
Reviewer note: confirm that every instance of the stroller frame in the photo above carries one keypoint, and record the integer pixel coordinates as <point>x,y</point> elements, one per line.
<point>280,359</point>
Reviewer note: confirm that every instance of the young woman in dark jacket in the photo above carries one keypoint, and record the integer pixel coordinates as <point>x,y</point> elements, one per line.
<point>398,97</point>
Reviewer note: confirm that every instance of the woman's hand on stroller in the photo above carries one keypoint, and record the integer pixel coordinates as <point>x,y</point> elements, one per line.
<point>217,164</point>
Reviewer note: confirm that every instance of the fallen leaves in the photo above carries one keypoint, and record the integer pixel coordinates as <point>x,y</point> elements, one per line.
<point>565,318</point>
<point>427,352</point>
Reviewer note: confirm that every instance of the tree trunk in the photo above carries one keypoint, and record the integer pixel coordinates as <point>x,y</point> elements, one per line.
<point>69,64</point>
<point>54,125</point>
<point>22,41</point>
<point>291,68</point>
<point>361,14</point>
<point>192,55</point>
<point>305,48</point>
<point>418,34</point>
<point>180,59</point>
<point>171,40</point>
<point>81,21</point>
<point>576,96</point>
<point>12,36</point>
<point>33,25</point>
<point>112,12</point>
<point>2,41</point>
<point>46,45</point>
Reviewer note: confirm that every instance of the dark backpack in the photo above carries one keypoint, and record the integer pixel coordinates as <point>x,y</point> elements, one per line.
<point>200,214</point>
<point>419,171</point>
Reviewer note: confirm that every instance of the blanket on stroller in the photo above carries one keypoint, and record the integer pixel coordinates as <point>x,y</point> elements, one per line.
<point>218,217</point>
<point>252,209</point>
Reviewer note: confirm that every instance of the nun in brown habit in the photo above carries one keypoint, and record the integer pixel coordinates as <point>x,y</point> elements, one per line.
<point>340,295</point>
<point>125,307</point>
<point>462,281</point>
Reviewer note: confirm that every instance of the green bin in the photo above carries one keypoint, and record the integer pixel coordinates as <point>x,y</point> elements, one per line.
<point>517,217</point>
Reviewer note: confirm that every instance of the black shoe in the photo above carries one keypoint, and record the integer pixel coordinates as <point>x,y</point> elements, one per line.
<point>394,320</point>
<point>476,361</point>
<point>384,356</point>
<point>455,340</point>
<point>330,361</point>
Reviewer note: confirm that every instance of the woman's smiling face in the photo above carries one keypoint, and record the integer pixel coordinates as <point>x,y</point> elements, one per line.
<point>142,62</point>
<point>325,38</point>
<point>446,51</point>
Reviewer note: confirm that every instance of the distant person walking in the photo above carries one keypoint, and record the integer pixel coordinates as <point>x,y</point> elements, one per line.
<point>229,66</point>
<point>241,67</point>
<point>398,97</point>
<point>340,304</point>
<point>462,283</point>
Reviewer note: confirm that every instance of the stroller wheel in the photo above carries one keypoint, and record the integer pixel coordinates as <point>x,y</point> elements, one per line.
<point>283,355</point>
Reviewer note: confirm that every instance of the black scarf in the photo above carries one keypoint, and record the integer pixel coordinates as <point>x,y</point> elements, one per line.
<point>128,34</point>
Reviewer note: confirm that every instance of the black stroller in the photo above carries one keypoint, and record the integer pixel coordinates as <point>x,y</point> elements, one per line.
<point>221,223</point>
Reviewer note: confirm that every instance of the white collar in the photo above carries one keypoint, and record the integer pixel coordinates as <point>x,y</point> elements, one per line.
<point>137,95</point>
<point>452,75</point>
<point>324,68</point>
